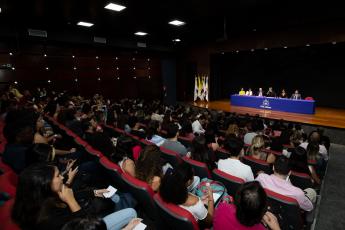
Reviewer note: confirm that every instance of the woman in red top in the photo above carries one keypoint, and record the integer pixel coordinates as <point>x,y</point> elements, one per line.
<point>248,212</point>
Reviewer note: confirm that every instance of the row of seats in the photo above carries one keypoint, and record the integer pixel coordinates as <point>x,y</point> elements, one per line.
<point>170,216</point>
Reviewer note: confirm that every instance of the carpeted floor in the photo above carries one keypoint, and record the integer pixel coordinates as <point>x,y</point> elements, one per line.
<point>331,215</point>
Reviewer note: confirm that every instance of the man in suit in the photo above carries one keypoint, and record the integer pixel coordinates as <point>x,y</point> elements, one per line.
<point>270,92</point>
<point>296,95</point>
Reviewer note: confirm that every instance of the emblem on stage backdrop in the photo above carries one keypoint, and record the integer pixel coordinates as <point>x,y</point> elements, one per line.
<point>265,104</point>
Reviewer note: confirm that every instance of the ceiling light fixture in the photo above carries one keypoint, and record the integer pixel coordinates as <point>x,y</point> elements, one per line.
<point>307,45</point>
<point>334,42</point>
<point>177,23</point>
<point>176,40</point>
<point>285,47</point>
<point>115,7</point>
<point>86,24</point>
<point>140,33</point>
<point>11,54</point>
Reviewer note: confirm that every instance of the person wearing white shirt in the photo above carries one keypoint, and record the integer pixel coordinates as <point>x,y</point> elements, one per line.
<point>233,165</point>
<point>249,92</point>
<point>197,125</point>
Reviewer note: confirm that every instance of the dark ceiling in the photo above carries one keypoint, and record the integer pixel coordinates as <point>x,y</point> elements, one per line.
<point>205,19</point>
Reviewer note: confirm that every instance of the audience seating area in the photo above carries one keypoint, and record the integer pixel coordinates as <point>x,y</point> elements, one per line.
<point>158,213</point>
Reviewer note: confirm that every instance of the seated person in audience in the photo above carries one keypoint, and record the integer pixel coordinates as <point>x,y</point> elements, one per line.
<point>174,189</point>
<point>98,140</point>
<point>298,162</point>
<point>283,94</point>
<point>256,127</point>
<point>201,152</point>
<point>19,139</point>
<point>315,137</point>
<point>315,161</point>
<point>249,212</point>
<point>186,128</point>
<point>39,138</point>
<point>172,143</point>
<point>249,92</point>
<point>152,133</point>
<point>123,155</point>
<point>149,167</point>
<point>257,150</point>
<point>232,130</point>
<point>233,165</point>
<point>270,92</point>
<point>296,95</point>
<point>197,125</point>
<point>135,128</point>
<point>242,92</point>
<point>44,202</point>
<point>278,182</point>
<point>260,93</point>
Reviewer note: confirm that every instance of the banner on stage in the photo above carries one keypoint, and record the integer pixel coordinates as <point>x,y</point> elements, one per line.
<point>201,87</point>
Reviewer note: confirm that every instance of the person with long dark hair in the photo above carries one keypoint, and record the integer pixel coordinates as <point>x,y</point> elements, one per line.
<point>200,152</point>
<point>44,202</point>
<point>149,168</point>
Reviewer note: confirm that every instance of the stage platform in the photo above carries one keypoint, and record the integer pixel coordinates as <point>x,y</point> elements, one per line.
<point>328,117</point>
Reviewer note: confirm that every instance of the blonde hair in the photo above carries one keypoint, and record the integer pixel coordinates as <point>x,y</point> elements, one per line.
<point>232,129</point>
<point>257,144</point>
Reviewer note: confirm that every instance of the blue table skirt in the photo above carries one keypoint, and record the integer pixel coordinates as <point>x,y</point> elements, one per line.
<point>270,103</point>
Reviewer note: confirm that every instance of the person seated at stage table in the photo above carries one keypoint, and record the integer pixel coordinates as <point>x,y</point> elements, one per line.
<point>296,95</point>
<point>283,94</point>
<point>270,92</point>
<point>249,92</point>
<point>260,93</point>
<point>242,92</point>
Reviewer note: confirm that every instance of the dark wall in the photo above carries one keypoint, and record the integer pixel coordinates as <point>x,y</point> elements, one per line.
<point>317,71</point>
<point>121,73</point>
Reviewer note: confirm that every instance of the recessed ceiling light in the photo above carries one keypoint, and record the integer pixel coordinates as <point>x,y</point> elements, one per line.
<point>223,53</point>
<point>118,78</point>
<point>76,80</point>
<point>334,42</point>
<point>254,30</point>
<point>49,81</point>
<point>177,23</point>
<point>135,77</point>
<point>115,7</point>
<point>74,68</point>
<point>97,68</point>
<point>86,24</point>
<point>116,58</point>
<point>97,57</point>
<point>307,45</point>
<point>149,77</point>
<point>140,33</point>
<point>117,68</point>
<point>16,82</point>
<point>45,55</point>
<point>11,54</point>
<point>176,40</point>
<point>265,48</point>
<point>73,56</point>
<point>99,79</point>
<point>285,47</point>
<point>237,51</point>
<point>13,68</point>
<point>47,68</point>
<point>134,67</point>
<point>252,50</point>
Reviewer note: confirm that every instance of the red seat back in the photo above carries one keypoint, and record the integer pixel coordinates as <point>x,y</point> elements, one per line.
<point>301,180</point>
<point>142,192</point>
<point>257,165</point>
<point>113,171</point>
<point>286,209</point>
<point>171,216</point>
<point>5,216</point>
<point>172,157</point>
<point>231,183</point>
<point>200,168</point>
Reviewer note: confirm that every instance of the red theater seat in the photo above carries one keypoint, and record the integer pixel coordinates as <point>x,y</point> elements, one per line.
<point>171,216</point>
<point>200,168</point>
<point>231,183</point>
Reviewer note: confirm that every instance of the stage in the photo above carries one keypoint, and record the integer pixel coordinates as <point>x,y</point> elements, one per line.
<point>328,117</point>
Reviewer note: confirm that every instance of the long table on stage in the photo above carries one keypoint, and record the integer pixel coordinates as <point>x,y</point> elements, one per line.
<point>271,103</point>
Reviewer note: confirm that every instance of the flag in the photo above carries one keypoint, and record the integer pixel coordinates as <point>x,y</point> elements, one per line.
<point>195,89</point>
<point>206,89</point>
